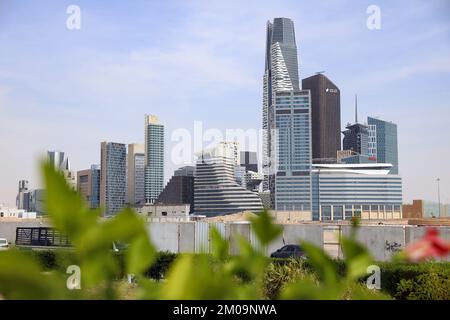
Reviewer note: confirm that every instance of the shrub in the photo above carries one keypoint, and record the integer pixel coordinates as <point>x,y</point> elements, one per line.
<point>281,272</point>
<point>159,268</point>
<point>416,281</point>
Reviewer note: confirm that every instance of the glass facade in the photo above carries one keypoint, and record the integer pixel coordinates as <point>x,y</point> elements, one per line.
<point>386,142</point>
<point>356,138</point>
<point>113,177</point>
<point>281,74</point>
<point>154,160</point>
<point>139,178</point>
<point>340,196</point>
<point>293,150</point>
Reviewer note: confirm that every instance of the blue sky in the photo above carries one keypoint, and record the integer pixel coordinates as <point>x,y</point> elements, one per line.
<point>204,60</point>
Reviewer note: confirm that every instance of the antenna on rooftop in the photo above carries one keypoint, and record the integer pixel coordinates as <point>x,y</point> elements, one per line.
<point>356,108</point>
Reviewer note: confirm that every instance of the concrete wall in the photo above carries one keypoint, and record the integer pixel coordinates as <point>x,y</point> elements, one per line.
<point>382,241</point>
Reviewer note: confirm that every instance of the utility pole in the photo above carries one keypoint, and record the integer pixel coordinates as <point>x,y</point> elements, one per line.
<point>439,197</point>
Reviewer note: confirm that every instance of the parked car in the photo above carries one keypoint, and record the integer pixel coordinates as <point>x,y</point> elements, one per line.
<point>4,245</point>
<point>289,251</point>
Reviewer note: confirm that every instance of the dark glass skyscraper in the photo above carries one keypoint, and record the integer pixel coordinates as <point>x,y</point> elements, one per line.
<point>325,117</point>
<point>356,138</point>
<point>386,142</point>
<point>281,74</point>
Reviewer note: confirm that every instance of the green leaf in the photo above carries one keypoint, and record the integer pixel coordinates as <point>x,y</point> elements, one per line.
<point>192,278</point>
<point>357,258</point>
<point>140,255</point>
<point>264,228</point>
<point>324,266</point>
<point>220,247</point>
<point>21,278</point>
<point>67,211</point>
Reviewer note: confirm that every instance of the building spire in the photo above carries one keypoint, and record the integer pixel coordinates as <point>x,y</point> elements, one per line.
<point>356,108</point>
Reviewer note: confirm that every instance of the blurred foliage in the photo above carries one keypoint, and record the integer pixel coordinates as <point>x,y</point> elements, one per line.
<point>218,275</point>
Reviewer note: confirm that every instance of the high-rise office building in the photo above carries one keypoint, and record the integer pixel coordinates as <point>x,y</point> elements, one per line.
<point>386,142</point>
<point>293,150</point>
<point>22,199</point>
<point>113,177</point>
<point>61,162</point>
<point>325,117</point>
<point>154,158</point>
<point>37,201</point>
<point>281,74</point>
<point>179,189</point>
<point>136,174</point>
<point>58,160</point>
<point>356,137</point>
<point>88,185</point>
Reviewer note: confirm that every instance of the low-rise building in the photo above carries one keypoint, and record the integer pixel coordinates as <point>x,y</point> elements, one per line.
<point>343,191</point>
<point>14,213</point>
<point>165,212</point>
<point>425,209</point>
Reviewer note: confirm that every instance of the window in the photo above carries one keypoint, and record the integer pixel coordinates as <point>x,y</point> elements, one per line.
<point>164,213</point>
<point>337,213</point>
<point>326,212</point>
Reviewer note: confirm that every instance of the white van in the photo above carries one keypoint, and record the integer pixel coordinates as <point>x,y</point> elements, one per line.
<point>4,245</point>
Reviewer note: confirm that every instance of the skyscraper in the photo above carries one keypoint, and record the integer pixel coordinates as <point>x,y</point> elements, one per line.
<point>23,198</point>
<point>293,150</point>
<point>325,117</point>
<point>281,74</point>
<point>386,142</point>
<point>136,174</point>
<point>154,158</point>
<point>356,137</point>
<point>57,159</point>
<point>61,162</point>
<point>113,177</point>
<point>88,185</point>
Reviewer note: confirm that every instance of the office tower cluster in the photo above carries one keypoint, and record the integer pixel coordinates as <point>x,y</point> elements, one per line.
<point>304,167</point>
<point>132,175</point>
<point>307,166</point>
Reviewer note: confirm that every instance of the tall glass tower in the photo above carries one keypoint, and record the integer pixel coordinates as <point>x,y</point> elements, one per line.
<point>281,74</point>
<point>113,177</point>
<point>293,150</point>
<point>154,158</point>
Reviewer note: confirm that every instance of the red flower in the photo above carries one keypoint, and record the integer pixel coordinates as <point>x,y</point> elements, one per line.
<point>430,246</point>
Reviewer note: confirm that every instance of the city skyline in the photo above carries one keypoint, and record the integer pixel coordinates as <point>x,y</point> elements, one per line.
<point>123,95</point>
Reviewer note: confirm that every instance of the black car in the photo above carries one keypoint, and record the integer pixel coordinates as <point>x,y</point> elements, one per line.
<point>289,251</point>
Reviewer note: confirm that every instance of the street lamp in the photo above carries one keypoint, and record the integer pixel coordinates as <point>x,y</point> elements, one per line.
<point>439,197</point>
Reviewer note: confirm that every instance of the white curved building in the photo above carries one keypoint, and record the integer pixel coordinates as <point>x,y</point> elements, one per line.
<point>216,191</point>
